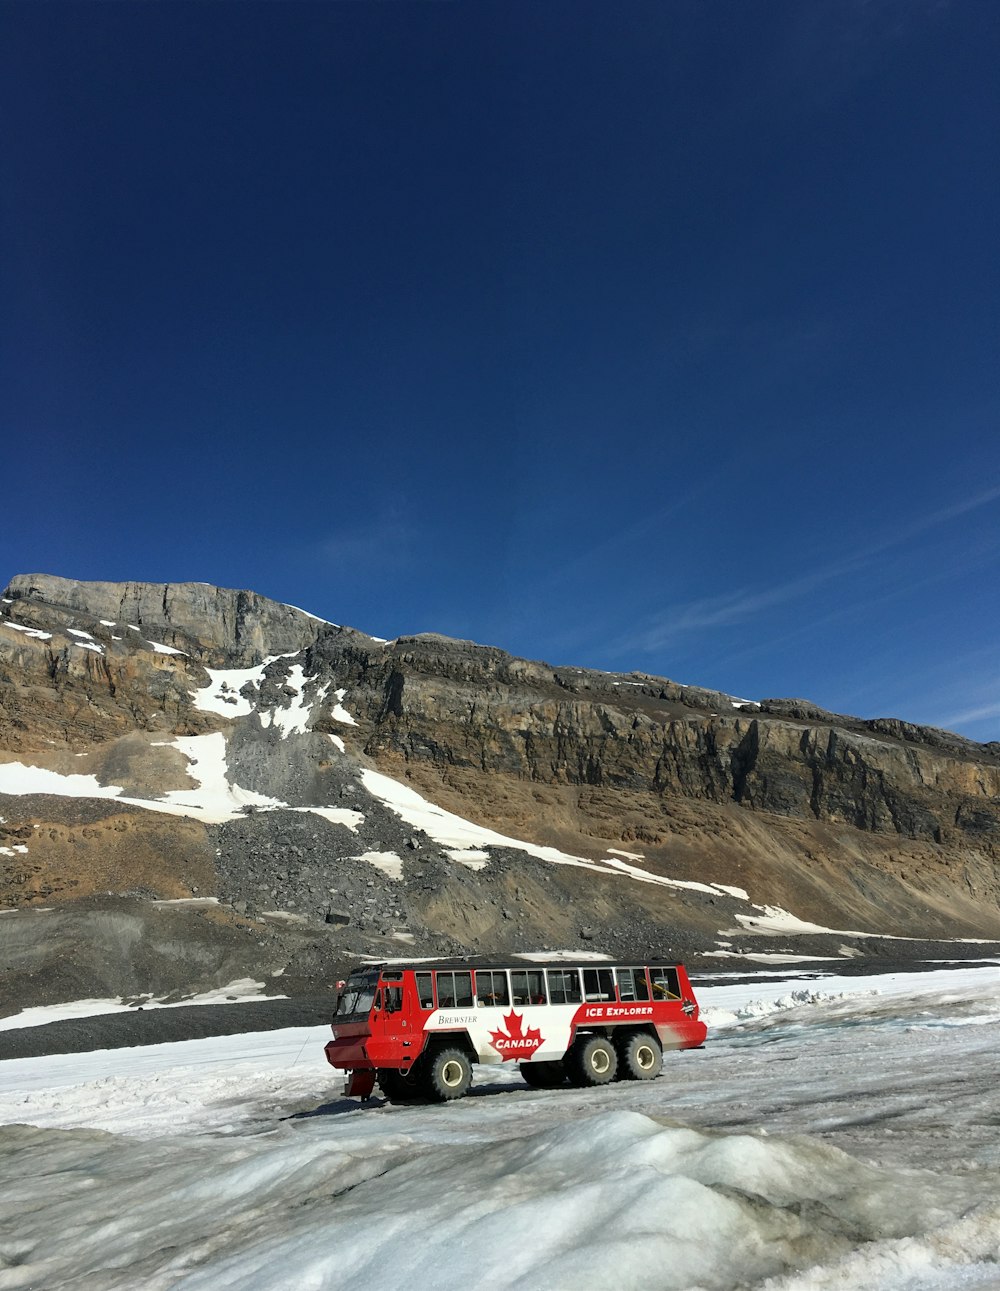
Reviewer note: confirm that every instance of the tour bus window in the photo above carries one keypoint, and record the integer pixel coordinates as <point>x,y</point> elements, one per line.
<point>632,984</point>
<point>665,984</point>
<point>598,984</point>
<point>358,995</point>
<point>491,989</point>
<point>564,985</point>
<point>454,990</point>
<point>392,998</point>
<point>527,987</point>
<point>446,990</point>
<point>425,989</point>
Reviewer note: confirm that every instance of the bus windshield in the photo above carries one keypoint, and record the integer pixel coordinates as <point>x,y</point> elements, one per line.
<point>358,995</point>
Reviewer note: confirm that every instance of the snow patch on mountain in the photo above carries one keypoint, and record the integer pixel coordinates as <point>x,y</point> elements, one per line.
<point>226,696</point>
<point>388,862</point>
<point>335,815</point>
<point>215,797</point>
<point>222,694</point>
<point>315,617</point>
<point>294,719</point>
<point>160,648</point>
<point>740,894</point>
<point>452,831</point>
<point>18,778</point>
<point>84,641</point>
<point>339,713</point>
<point>771,919</point>
<point>611,863</point>
<point>28,632</point>
<point>471,857</point>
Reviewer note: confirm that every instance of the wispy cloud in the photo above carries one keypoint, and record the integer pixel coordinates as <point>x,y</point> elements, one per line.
<point>623,539</point>
<point>856,606</point>
<point>722,611</point>
<point>936,518</point>
<point>960,693</point>
<point>739,605</point>
<point>970,715</point>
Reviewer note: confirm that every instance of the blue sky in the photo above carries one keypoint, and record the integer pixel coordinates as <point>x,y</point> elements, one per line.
<point>657,336</point>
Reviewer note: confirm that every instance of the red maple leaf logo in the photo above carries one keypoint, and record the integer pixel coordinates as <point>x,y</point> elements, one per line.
<point>515,1044</point>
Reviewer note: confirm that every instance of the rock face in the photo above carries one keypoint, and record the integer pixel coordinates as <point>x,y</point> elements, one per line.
<point>236,629</point>
<point>462,706</point>
<point>665,801</point>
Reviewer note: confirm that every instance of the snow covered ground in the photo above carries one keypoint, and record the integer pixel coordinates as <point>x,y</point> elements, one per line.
<point>835,1133</point>
<point>244,991</point>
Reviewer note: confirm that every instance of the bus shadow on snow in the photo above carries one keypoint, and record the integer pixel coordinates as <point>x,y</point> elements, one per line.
<point>488,1089</point>
<point>337,1107</point>
<point>340,1106</point>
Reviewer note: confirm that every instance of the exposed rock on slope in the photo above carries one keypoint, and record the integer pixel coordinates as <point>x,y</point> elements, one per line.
<point>235,628</point>
<point>164,741</point>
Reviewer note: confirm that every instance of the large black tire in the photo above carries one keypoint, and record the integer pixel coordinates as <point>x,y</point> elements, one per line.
<point>592,1061</point>
<point>448,1075</point>
<point>399,1086</point>
<point>543,1075</point>
<point>640,1056</point>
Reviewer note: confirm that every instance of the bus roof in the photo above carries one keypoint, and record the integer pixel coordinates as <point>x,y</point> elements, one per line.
<point>513,962</point>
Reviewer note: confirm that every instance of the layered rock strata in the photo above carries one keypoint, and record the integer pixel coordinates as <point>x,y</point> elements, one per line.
<point>875,826</point>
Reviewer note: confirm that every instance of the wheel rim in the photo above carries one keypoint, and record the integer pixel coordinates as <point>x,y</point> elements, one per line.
<point>645,1058</point>
<point>452,1073</point>
<point>600,1061</point>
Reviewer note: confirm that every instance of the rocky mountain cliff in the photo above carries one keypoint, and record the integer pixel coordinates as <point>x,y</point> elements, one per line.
<point>303,793</point>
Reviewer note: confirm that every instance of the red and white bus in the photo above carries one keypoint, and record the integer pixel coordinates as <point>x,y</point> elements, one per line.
<point>418,1028</point>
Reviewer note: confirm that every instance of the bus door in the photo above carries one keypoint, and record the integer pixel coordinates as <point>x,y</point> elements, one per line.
<point>388,1016</point>
<point>391,1029</point>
